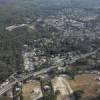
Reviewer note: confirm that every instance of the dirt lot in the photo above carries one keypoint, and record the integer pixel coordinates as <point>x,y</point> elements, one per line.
<point>61,84</point>
<point>87,83</point>
<point>28,89</point>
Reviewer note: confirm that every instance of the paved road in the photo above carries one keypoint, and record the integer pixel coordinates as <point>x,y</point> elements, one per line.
<point>45,70</point>
<point>7,87</point>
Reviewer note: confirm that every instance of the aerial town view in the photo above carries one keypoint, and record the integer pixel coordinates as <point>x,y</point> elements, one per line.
<point>49,49</point>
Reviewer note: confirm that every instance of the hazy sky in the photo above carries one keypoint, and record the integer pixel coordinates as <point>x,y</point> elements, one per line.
<point>85,3</point>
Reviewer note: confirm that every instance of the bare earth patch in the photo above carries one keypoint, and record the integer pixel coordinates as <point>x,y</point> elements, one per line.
<point>29,88</point>
<point>87,83</point>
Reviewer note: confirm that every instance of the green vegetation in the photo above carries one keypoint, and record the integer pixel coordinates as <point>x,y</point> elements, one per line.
<point>78,94</point>
<point>47,90</point>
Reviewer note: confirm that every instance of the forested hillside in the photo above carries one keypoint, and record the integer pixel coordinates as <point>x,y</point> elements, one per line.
<point>11,42</point>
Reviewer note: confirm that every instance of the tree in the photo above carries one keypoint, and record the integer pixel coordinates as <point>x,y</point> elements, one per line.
<point>78,94</point>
